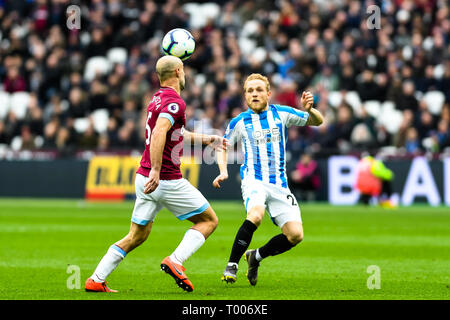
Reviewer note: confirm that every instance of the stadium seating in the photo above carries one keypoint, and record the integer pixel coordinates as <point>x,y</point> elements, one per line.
<point>96,65</point>
<point>81,124</point>
<point>19,103</point>
<point>392,121</point>
<point>434,101</point>
<point>16,143</point>
<point>373,108</point>
<point>117,55</point>
<point>352,98</point>
<point>387,106</point>
<point>334,98</point>
<point>100,120</point>
<point>201,13</point>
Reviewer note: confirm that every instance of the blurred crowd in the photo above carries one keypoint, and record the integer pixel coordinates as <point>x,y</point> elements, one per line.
<point>326,47</point>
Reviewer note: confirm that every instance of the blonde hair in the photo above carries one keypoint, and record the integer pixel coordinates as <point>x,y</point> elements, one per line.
<point>257,76</point>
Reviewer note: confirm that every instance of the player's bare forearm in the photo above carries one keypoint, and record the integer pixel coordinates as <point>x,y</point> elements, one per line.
<point>196,138</point>
<point>192,137</point>
<point>157,142</point>
<point>315,117</point>
<point>215,141</point>
<point>157,147</point>
<point>222,157</point>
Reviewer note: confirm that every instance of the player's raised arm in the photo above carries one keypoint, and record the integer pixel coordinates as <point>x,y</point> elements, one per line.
<point>157,142</point>
<point>222,157</point>
<point>315,117</point>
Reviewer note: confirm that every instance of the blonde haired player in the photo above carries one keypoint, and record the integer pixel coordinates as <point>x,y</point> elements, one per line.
<point>263,134</point>
<point>159,183</point>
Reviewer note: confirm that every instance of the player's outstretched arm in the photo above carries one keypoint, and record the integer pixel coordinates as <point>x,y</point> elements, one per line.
<point>222,156</point>
<point>157,142</point>
<point>217,142</point>
<point>315,117</point>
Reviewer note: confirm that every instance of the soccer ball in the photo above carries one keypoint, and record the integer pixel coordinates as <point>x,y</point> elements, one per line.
<point>179,43</point>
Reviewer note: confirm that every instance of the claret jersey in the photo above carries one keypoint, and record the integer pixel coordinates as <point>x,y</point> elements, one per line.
<point>166,103</point>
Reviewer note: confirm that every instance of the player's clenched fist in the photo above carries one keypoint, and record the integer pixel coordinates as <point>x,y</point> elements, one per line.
<point>307,100</point>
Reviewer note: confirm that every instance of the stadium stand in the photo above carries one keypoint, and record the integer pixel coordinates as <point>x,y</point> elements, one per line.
<point>90,86</point>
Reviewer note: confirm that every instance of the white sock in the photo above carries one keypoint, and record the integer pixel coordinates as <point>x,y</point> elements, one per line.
<point>109,262</point>
<point>232,264</point>
<point>191,242</point>
<point>258,256</point>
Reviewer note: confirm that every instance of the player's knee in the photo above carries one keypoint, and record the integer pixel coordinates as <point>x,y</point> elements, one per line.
<point>295,237</point>
<point>255,216</point>
<point>256,220</point>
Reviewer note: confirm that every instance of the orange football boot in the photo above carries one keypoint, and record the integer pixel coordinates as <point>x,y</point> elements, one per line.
<point>92,286</point>
<point>177,272</point>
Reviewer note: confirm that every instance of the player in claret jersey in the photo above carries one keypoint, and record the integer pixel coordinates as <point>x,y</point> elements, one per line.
<point>159,182</point>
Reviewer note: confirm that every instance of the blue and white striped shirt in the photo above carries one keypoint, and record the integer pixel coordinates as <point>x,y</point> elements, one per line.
<point>263,137</point>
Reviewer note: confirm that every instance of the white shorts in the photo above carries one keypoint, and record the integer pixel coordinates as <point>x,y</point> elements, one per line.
<point>178,196</point>
<point>279,202</point>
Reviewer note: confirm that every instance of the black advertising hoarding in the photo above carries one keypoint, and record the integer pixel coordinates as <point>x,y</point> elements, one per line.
<point>112,178</point>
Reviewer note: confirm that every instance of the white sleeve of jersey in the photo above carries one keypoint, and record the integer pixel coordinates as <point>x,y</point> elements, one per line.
<point>294,117</point>
<point>233,132</point>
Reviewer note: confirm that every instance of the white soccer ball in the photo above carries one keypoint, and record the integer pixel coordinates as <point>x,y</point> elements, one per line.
<point>179,43</point>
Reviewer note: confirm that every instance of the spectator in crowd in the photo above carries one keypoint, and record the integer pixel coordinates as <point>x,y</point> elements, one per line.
<point>89,139</point>
<point>4,139</point>
<point>412,143</point>
<point>305,179</point>
<point>424,124</point>
<point>56,107</point>
<point>407,122</point>
<point>34,116</point>
<point>295,143</point>
<point>12,125</point>
<point>326,79</point>
<point>361,138</point>
<point>343,127</point>
<point>406,100</point>
<point>126,136</point>
<point>441,136</point>
<point>50,133</point>
<point>27,138</point>
<point>103,143</point>
<point>97,95</point>
<point>77,104</point>
<point>14,82</point>
<point>347,78</point>
<point>366,86</point>
<point>97,46</point>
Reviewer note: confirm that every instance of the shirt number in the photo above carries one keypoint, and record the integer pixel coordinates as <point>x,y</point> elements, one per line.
<point>148,129</point>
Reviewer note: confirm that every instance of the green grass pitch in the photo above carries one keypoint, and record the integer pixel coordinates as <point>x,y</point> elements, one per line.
<point>411,247</point>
